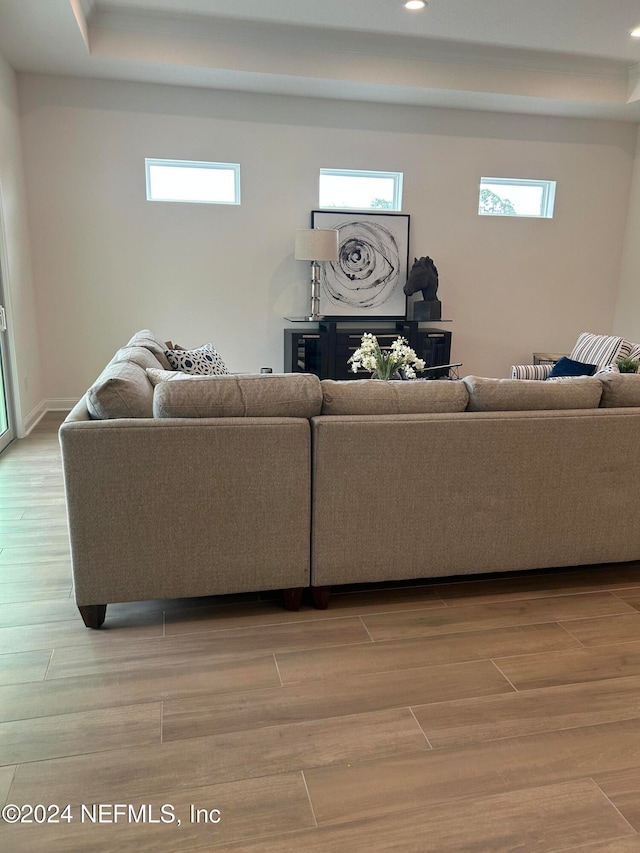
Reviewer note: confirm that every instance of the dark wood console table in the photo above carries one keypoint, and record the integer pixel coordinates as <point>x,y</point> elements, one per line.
<point>325,350</point>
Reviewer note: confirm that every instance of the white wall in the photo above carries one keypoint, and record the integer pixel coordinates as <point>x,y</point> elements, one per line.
<point>23,342</point>
<point>627,315</point>
<point>107,262</point>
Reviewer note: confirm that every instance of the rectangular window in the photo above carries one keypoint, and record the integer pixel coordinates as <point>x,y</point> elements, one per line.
<point>516,197</point>
<point>192,181</point>
<point>355,189</point>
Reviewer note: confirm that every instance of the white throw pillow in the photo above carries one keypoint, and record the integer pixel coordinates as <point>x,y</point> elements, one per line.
<point>156,376</point>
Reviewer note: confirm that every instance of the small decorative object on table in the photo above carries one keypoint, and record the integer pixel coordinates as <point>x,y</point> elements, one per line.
<point>548,357</point>
<point>399,361</point>
<point>424,276</point>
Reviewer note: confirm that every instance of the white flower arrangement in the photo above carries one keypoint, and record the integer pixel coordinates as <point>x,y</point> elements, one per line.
<point>388,362</point>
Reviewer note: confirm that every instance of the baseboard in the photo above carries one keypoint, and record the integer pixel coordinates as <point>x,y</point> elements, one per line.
<point>56,404</point>
<point>33,418</point>
<point>60,404</point>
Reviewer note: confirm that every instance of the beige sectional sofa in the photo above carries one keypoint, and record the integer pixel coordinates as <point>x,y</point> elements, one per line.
<point>246,483</point>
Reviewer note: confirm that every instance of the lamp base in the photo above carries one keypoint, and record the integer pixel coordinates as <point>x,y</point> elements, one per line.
<point>314,306</point>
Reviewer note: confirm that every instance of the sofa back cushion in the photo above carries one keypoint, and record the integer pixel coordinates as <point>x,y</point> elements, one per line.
<point>292,395</point>
<point>149,340</point>
<point>516,395</point>
<point>141,356</point>
<point>620,389</point>
<point>377,397</point>
<point>122,390</point>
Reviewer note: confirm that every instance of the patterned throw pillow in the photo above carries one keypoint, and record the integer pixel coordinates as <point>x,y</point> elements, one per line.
<point>203,361</point>
<point>600,350</point>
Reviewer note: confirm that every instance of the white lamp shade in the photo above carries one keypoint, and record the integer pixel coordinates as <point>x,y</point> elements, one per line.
<point>316,244</point>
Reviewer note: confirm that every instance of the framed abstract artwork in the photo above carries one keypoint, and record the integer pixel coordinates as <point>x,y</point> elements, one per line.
<point>368,278</point>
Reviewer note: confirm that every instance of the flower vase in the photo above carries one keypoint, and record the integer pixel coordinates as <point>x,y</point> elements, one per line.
<point>394,376</point>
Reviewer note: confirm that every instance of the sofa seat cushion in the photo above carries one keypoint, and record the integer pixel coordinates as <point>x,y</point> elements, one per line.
<point>292,395</point>
<point>620,390</point>
<point>517,395</point>
<point>600,350</point>
<point>376,397</point>
<point>149,340</point>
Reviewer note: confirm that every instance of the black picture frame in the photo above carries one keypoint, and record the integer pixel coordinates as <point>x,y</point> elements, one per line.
<point>368,278</point>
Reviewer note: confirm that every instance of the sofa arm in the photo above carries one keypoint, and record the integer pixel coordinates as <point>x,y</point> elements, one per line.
<point>530,371</point>
<point>177,508</point>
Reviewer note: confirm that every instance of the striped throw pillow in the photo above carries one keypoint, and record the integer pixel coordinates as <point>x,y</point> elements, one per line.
<point>635,351</point>
<point>600,350</point>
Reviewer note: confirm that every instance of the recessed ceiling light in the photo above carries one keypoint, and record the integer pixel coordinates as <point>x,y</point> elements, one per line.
<point>635,33</point>
<point>414,5</point>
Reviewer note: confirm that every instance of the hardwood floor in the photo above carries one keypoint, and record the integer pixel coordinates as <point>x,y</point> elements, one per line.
<point>494,714</point>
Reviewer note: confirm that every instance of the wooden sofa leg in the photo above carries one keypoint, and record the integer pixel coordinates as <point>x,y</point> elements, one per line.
<point>93,614</point>
<point>292,597</point>
<point>321,596</point>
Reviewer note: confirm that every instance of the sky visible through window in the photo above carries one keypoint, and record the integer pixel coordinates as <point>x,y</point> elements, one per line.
<point>196,183</point>
<point>357,191</point>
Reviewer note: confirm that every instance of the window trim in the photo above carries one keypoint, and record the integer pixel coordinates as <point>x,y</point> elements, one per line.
<point>547,201</point>
<point>396,177</point>
<point>193,164</point>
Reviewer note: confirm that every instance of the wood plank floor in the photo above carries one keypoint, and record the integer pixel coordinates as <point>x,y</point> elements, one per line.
<point>489,714</point>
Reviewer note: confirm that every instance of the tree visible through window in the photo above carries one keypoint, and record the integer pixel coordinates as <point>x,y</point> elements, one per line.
<point>492,203</point>
<point>516,197</point>
<point>382,204</point>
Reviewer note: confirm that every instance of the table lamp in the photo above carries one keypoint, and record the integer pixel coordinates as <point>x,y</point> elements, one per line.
<point>316,245</point>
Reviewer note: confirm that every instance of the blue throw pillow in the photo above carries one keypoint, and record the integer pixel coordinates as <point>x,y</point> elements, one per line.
<point>568,367</point>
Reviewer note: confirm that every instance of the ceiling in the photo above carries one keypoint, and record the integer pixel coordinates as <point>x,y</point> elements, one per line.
<point>548,57</point>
